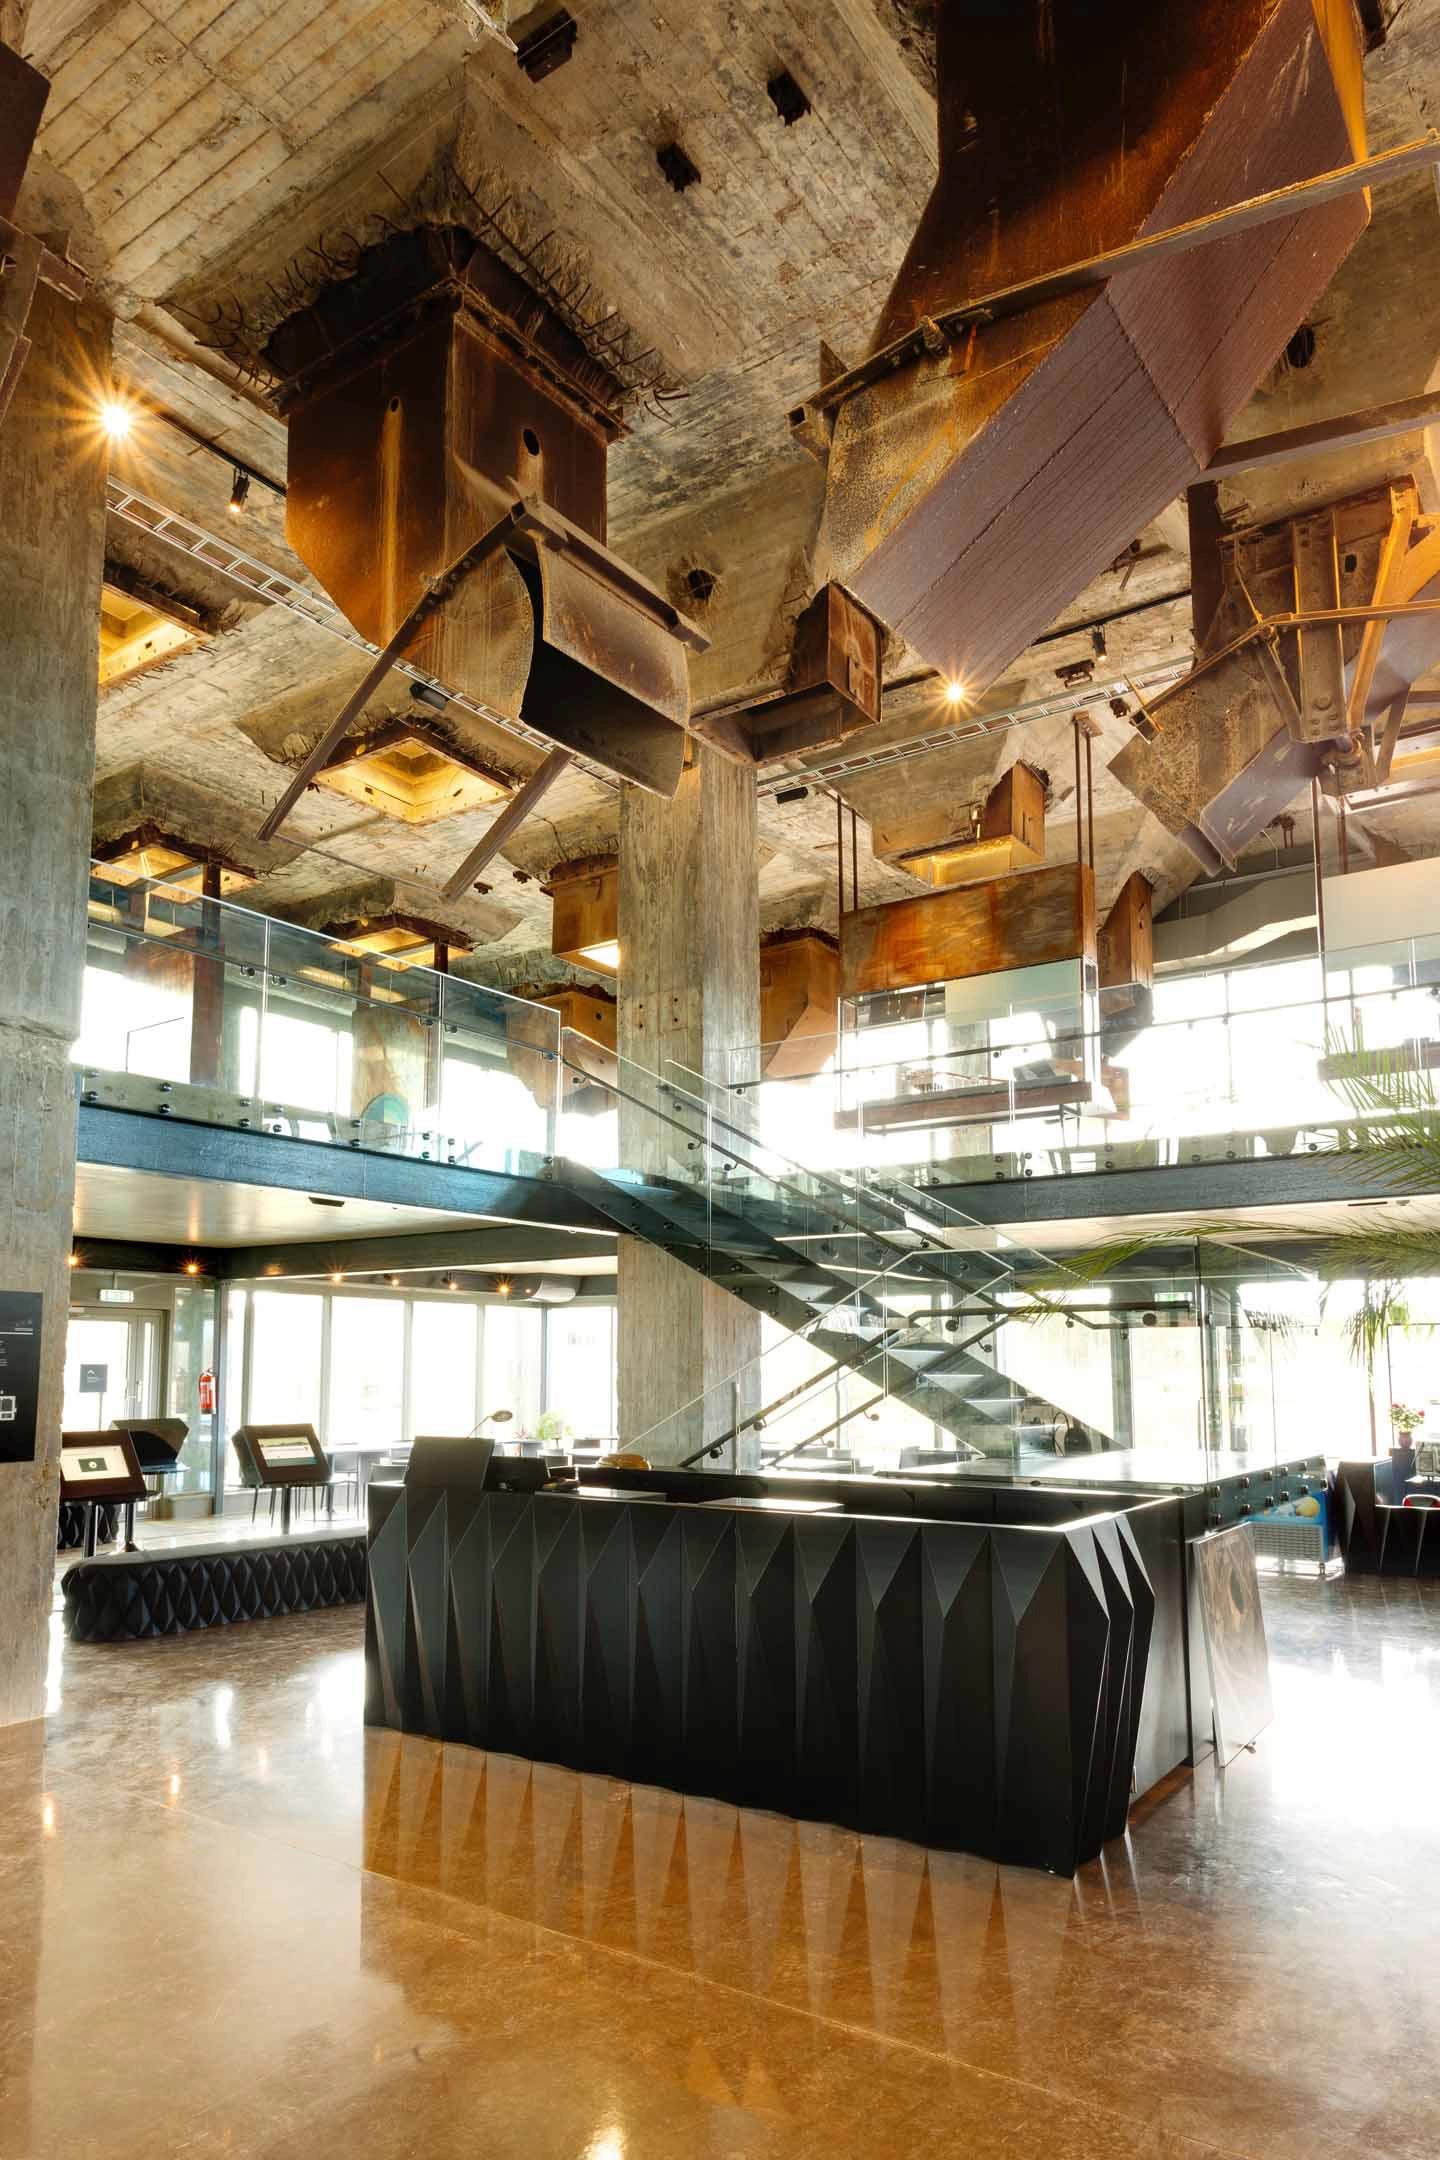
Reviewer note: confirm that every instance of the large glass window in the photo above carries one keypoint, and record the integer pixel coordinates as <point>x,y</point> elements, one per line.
<point>442,1367</point>
<point>580,1370</point>
<point>510,1367</point>
<point>367,1373</point>
<point>286,1348</point>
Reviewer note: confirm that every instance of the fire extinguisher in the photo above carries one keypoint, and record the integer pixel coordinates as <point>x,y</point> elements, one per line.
<point>207,1393</point>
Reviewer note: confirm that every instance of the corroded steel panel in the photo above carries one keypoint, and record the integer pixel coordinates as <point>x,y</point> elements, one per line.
<point>1026,920</point>
<point>972,491</point>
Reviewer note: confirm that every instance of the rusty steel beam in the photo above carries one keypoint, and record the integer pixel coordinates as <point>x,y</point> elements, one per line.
<point>507,824</point>
<point>1097,270</point>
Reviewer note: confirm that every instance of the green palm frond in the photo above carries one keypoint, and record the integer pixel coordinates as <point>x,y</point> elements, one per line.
<point>1398,1144</point>
<point>1381,1254</point>
<point>1097,1261</point>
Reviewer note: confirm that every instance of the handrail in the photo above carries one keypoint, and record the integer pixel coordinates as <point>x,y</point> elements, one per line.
<point>909,1256</point>
<point>713,1447</point>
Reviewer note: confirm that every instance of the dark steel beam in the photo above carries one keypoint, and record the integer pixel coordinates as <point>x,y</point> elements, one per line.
<point>425,1252</point>
<point>128,1139</point>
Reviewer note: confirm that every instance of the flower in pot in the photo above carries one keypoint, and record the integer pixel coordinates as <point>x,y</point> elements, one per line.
<point>1405,1418</point>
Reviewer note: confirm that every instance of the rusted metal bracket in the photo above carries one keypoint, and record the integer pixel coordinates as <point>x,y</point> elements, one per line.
<point>1316,557</point>
<point>25,261</point>
<point>1097,270</point>
<point>508,823</point>
<point>435,592</point>
<point>593,613</point>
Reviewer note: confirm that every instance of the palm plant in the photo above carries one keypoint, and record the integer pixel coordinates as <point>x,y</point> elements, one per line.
<point>1395,1143</point>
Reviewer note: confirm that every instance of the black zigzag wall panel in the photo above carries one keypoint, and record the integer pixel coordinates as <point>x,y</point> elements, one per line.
<point>972,1685</point>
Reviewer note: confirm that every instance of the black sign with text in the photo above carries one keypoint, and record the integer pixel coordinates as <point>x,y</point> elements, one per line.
<point>19,1373</point>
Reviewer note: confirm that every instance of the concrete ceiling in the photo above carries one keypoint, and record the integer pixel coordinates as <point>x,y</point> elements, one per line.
<point>140,1206</point>
<point>194,153</point>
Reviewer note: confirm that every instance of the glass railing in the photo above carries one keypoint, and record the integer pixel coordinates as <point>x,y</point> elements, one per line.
<point>1233,1367</point>
<point>201,1009</point>
<point>1241,1064</point>
<point>893,1298</point>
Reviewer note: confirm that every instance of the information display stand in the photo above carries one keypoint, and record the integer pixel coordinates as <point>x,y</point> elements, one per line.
<point>278,1458</point>
<point>96,1467</point>
<point>157,1442</point>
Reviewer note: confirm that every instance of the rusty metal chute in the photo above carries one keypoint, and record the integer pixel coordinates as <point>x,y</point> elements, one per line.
<point>1303,672</point>
<point>987,461</point>
<point>448,440</point>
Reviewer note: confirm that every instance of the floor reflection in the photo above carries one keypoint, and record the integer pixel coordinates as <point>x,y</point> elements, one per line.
<point>370,1945</point>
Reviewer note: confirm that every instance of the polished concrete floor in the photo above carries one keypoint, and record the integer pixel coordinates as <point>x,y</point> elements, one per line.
<point>232,1922</point>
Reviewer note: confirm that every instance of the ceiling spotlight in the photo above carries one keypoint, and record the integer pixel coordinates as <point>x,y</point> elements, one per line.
<point>239,490</point>
<point>394,1281</point>
<point>336,1276</point>
<point>503,1286</point>
<point>791,794</point>
<point>116,419</point>
<point>448,1282</point>
<point>954,692</point>
<point>72,1259</point>
<point>192,1267</point>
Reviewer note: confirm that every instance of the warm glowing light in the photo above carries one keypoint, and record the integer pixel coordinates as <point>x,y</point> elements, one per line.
<point>174,1787</point>
<point>47,1817</point>
<point>336,1276</point>
<point>73,1260</point>
<point>192,1267</point>
<point>954,692</point>
<point>602,956</point>
<point>504,1287</point>
<point>117,419</point>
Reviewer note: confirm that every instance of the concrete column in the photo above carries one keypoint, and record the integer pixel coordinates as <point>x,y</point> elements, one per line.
<point>689,988</point>
<point>52,542</point>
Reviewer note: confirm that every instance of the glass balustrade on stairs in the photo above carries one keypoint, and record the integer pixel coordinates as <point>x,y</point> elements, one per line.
<point>895,1291</point>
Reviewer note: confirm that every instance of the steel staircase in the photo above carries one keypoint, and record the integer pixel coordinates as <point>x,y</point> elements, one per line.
<point>840,1259</point>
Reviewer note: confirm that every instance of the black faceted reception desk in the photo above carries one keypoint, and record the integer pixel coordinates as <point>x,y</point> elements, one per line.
<point>966,1683</point>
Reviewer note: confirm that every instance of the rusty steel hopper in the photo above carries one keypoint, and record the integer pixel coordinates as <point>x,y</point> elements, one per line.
<point>448,440</point>
<point>1301,673</point>
<point>987,461</point>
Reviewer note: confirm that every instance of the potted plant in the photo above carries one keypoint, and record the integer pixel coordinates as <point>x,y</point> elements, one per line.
<point>1406,1419</point>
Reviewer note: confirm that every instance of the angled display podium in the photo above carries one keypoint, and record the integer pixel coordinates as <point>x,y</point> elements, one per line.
<point>995,1669</point>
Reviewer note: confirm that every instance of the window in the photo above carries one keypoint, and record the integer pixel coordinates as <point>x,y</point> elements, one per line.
<point>287,1335</point>
<point>367,1372</point>
<point>580,1370</point>
<point>443,1342</point>
<point>510,1367</point>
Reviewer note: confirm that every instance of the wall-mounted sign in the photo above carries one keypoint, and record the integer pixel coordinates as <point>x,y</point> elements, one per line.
<point>20,1312</point>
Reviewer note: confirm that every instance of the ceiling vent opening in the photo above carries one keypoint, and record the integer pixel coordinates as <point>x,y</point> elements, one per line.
<point>787,97</point>
<point>678,169</point>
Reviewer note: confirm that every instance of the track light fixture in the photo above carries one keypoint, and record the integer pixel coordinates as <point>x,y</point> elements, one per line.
<point>239,490</point>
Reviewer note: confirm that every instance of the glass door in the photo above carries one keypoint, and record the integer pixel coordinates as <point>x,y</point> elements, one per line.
<point>112,1368</point>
